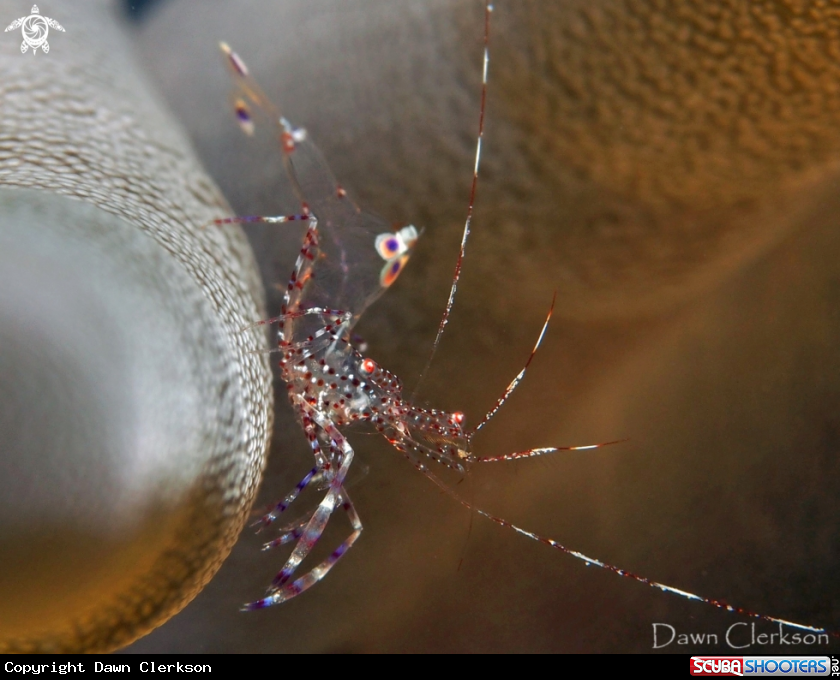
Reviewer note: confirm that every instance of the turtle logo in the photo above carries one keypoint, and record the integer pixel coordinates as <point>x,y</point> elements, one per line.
<point>35,29</point>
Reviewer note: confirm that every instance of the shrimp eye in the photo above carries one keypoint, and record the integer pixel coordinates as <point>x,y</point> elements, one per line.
<point>458,417</point>
<point>390,246</point>
<point>368,366</point>
<point>391,271</point>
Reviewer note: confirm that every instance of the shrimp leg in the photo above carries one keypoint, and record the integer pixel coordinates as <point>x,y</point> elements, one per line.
<point>290,590</point>
<point>283,505</point>
<point>262,219</point>
<point>341,450</point>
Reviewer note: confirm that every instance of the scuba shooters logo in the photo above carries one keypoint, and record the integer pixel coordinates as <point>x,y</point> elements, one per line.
<point>787,666</point>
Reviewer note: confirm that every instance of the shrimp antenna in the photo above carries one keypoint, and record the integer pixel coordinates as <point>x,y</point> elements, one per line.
<point>592,561</point>
<point>488,9</point>
<point>249,94</point>
<point>534,453</point>
<point>530,453</point>
<point>515,382</point>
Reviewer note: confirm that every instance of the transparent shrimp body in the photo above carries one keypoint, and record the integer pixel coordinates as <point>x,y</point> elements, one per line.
<point>336,380</point>
<point>347,260</point>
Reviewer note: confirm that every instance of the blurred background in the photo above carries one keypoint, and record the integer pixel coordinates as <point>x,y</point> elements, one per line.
<point>672,172</point>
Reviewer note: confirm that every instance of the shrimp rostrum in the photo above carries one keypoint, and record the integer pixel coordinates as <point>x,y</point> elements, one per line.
<point>347,260</point>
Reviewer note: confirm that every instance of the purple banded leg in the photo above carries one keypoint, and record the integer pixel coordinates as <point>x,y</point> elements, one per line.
<point>290,590</point>
<point>283,505</point>
<point>322,465</point>
<point>318,521</point>
<point>291,532</point>
<point>288,533</point>
<point>314,528</point>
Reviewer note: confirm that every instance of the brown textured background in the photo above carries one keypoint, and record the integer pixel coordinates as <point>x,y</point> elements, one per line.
<point>671,169</point>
